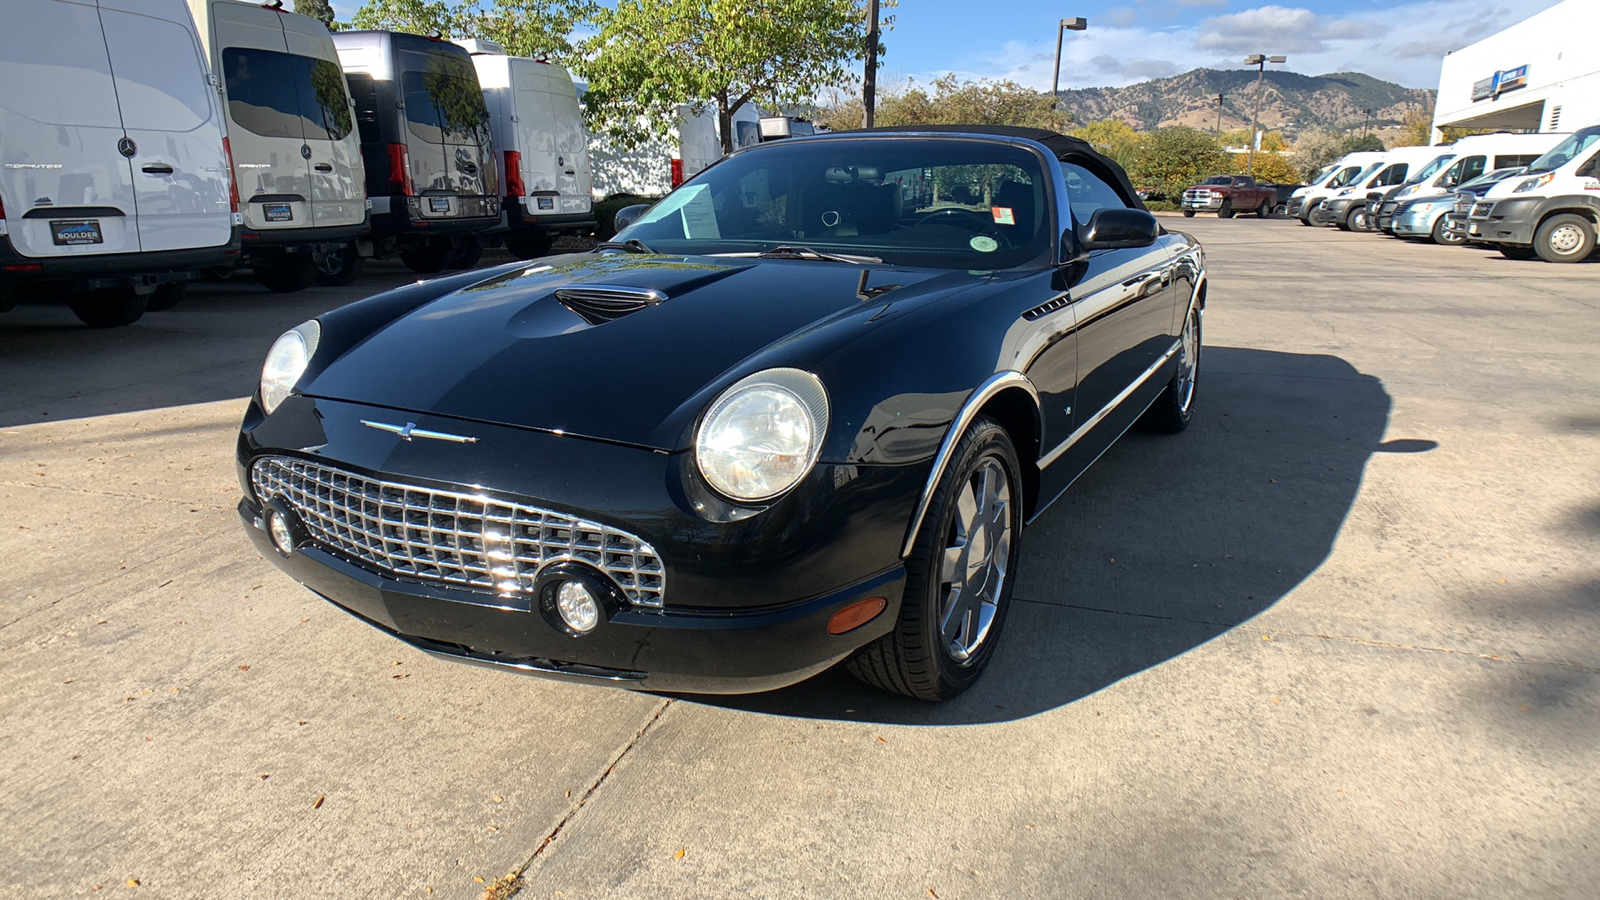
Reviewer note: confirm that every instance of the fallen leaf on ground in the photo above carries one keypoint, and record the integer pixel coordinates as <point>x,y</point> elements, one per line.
<point>317,803</point>
<point>133,882</point>
<point>680,853</point>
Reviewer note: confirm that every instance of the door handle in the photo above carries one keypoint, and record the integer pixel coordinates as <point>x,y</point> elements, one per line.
<point>324,167</point>
<point>571,171</point>
<point>157,169</point>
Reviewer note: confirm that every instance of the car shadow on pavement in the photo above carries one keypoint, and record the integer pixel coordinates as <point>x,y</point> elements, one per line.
<point>1166,543</point>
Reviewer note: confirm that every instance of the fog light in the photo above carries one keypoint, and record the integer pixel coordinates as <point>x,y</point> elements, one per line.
<point>282,535</point>
<point>578,608</point>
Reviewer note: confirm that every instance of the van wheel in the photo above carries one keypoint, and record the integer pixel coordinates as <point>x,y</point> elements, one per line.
<point>464,255</point>
<point>427,257</point>
<point>1443,235</point>
<point>286,274</point>
<point>533,244</point>
<point>109,308</point>
<point>166,296</point>
<point>1564,238</point>
<point>1188,214</point>
<point>340,267</point>
<point>1281,210</point>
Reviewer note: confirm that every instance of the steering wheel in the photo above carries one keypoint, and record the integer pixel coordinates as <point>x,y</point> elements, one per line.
<point>976,222</point>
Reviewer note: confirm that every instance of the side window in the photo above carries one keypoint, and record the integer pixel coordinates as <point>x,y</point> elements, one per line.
<point>365,92</point>
<point>1511,161</point>
<point>1088,192</point>
<point>1395,174</point>
<point>1471,168</point>
<point>1590,169</point>
<point>327,107</point>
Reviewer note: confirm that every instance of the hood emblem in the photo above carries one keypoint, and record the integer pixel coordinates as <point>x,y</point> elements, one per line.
<point>410,430</point>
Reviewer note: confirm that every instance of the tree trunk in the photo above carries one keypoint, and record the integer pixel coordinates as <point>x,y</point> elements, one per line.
<point>725,122</point>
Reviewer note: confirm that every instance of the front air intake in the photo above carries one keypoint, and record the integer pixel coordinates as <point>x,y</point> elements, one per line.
<point>598,304</point>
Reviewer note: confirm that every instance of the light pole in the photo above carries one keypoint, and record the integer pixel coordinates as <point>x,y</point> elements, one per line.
<point>1260,61</point>
<point>1219,115</point>
<point>1366,129</point>
<point>1073,24</point>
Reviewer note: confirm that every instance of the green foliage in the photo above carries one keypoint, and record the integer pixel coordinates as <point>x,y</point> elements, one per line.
<point>1176,158</point>
<point>537,28</point>
<point>1271,168</point>
<point>1359,142</point>
<point>651,55</point>
<point>1114,138</point>
<point>948,101</point>
<point>1417,129</point>
<point>321,10</point>
<point>1316,149</point>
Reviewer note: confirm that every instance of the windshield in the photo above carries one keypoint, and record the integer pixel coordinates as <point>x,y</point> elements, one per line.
<point>1566,151</point>
<point>1220,179</point>
<point>1495,177</point>
<point>946,203</point>
<point>1345,176</point>
<point>1366,173</point>
<point>1323,172</point>
<point>1432,169</point>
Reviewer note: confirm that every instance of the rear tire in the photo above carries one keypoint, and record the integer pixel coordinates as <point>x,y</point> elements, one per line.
<point>954,606</point>
<point>427,257</point>
<point>109,307</point>
<point>533,244</point>
<point>464,255</point>
<point>1174,409</point>
<point>340,267</point>
<point>166,296</point>
<point>286,274</point>
<point>1264,210</point>
<point>1564,238</point>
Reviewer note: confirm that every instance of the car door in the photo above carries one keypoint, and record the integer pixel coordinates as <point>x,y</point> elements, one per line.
<point>172,123</point>
<point>1124,304</point>
<point>67,190</point>
<point>338,182</point>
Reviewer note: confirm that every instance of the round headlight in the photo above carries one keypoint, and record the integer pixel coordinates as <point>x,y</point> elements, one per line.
<point>286,362</point>
<point>763,434</point>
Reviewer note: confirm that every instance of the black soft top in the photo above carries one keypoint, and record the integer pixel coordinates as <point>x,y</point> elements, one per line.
<point>1065,148</point>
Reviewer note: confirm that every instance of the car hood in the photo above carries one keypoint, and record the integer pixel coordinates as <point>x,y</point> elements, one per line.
<point>524,349</point>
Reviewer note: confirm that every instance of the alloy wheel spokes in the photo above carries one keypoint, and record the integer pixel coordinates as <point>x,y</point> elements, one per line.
<point>973,567</point>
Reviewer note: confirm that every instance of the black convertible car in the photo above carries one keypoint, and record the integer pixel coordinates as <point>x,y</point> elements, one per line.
<point>797,413</point>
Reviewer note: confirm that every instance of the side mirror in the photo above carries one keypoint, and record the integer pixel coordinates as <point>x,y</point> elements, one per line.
<point>1117,228</point>
<point>628,215</point>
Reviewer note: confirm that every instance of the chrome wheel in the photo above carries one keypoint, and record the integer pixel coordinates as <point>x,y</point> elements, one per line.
<point>1566,239</point>
<point>972,569</point>
<point>1188,360</point>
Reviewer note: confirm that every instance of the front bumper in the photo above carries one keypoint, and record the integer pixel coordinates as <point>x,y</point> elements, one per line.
<point>547,222</point>
<point>1330,212</point>
<point>1207,202</point>
<point>1509,221</point>
<point>1417,221</point>
<point>747,599</point>
<point>1294,207</point>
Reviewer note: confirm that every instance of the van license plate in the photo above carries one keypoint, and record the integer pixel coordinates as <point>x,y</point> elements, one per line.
<point>547,203</point>
<point>277,212</point>
<point>69,233</point>
<point>438,204</point>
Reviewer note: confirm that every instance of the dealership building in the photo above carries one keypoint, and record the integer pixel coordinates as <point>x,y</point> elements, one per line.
<point>1541,74</point>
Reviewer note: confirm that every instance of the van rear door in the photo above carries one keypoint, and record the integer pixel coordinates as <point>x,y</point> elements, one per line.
<point>264,105</point>
<point>66,189</point>
<point>448,127</point>
<point>338,182</point>
<point>560,123</point>
<point>172,122</point>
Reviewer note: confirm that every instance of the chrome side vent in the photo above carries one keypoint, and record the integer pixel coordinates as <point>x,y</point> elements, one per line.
<point>598,304</point>
<point>1045,309</point>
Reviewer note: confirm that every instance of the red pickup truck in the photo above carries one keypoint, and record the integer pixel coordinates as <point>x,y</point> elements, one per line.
<point>1229,194</point>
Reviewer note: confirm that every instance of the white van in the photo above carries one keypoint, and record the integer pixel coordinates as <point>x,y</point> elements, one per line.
<point>291,129</point>
<point>1347,208</point>
<point>115,187</point>
<point>1472,156</point>
<point>1351,167</point>
<point>1552,210</point>
<point>660,164</point>
<point>545,174</point>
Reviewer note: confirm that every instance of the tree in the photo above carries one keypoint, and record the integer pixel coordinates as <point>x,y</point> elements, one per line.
<point>948,101</point>
<point>321,10</point>
<point>652,55</point>
<point>1114,138</point>
<point>1417,129</point>
<point>1271,168</point>
<point>536,28</point>
<point>1316,149</point>
<point>1357,143</point>
<point>1175,158</point>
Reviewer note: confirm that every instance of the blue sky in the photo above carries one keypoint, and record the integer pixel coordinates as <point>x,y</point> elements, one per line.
<point>1135,40</point>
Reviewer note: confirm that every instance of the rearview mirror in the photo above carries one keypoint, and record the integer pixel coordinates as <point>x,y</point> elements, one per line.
<point>1117,228</point>
<point>628,215</point>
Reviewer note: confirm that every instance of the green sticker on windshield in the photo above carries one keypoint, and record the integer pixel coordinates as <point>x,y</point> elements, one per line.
<point>984,244</point>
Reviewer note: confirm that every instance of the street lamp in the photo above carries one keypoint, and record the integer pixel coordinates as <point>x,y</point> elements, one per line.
<point>1077,23</point>
<point>1259,61</point>
<point>1219,114</point>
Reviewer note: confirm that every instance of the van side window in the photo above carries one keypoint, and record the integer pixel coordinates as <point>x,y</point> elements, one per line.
<point>285,95</point>
<point>364,91</point>
<point>1395,174</point>
<point>1514,160</point>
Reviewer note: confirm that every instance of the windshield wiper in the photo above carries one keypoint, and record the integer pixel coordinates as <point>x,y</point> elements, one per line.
<point>631,245</point>
<point>790,251</point>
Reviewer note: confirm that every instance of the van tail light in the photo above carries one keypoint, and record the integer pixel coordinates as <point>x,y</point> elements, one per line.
<point>677,172</point>
<point>399,170</point>
<point>514,186</point>
<point>233,177</point>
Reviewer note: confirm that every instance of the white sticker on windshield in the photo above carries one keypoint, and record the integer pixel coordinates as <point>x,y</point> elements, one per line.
<point>698,210</point>
<point>984,244</point>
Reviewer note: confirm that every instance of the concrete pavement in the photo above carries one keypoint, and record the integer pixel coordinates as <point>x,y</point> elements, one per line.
<point>1338,639</point>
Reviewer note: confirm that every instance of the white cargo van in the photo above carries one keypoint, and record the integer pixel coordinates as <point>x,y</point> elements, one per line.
<point>1552,210</point>
<point>1473,155</point>
<point>115,187</point>
<point>291,129</point>
<point>661,164</point>
<point>1350,168</point>
<point>1347,208</point>
<point>545,175</point>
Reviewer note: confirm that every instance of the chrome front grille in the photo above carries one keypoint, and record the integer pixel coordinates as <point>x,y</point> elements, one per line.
<point>454,537</point>
<point>1464,201</point>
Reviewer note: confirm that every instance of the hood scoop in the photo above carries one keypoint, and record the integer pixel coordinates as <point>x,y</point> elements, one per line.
<point>602,303</point>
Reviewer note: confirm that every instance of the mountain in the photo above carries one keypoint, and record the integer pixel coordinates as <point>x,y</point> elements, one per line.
<point>1290,102</point>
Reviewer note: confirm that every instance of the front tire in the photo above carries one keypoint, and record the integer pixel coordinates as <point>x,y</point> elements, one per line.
<point>1564,238</point>
<point>958,576</point>
<point>1225,211</point>
<point>427,257</point>
<point>1264,210</point>
<point>109,307</point>
<point>286,274</point>
<point>1443,235</point>
<point>1174,409</point>
<point>1188,214</point>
